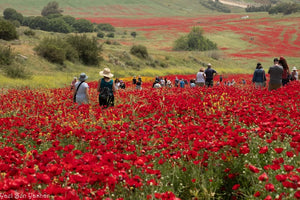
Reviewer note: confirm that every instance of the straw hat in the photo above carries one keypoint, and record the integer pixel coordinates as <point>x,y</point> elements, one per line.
<point>83,77</point>
<point>106,72</point>
<point>294,68</point>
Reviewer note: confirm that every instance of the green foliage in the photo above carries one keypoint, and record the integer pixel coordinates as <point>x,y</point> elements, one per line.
<point>39,22</point>
<point>59,25</point>
<point>139,51</point>
<point>17,70</point>
<point>83,26</point>
<point>55,50</point>
<point>215,5</point>
<point>106,27</point>
<point>52,16</point>
<point>51,8</point>
<point>100,35</point>
<point>27,20</point>
<point>263,8</point>
<point>194,41</point>
<point>285,8</point>
<point>87,48</point>
<point>29,32</point>
<point>7,30</point>
<point>110,35</point>
<point>69,19</point>
<point>6,55</point>
<point>12,14</point>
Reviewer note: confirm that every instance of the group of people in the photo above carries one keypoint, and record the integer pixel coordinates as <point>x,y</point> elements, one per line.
<point>137,82</point>
<point>280,74</point>
<point>106,88</point>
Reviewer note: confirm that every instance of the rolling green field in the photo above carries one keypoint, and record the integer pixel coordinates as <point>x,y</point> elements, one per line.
<point>158,24</point>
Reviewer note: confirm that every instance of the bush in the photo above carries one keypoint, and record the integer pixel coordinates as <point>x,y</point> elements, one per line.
<point>133,34</point>
<point>16,70</point>
<point>6,55</point>
<point>69,19</point>
<point>100,35</point>
<point>139,51</point>
<point>83,26</point>
<point>59,25</point>
<point>87,48</point>
<point>7,30</point>
<point>29,32</point>
<point>110,35</point>
<point>39,22</point>
<point>106,27</point>
<point>194,41</point>
<point>285,8</point>
<point>12,14</point>
<point>51,8</point>
<point>27,20</point>
<point>55,50</point>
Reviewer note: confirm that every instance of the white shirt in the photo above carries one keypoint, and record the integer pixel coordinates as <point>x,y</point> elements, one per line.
<point>81,95</point>
<point>200,77</point>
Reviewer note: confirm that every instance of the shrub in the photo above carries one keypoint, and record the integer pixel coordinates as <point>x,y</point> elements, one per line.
<point>139,51</point>
<point>133,34</point>
<point>87,48</point>
<point>59,25</point>
<point>39,22</point>
<point>29,32</point>
<point>7,30</point>
<point>51,8</point>
<point>194,41</point>
<point>17,70</point>
<point>110,35</point>
<point>6,55</point>
<point>106,27</point>
<point>83,26</point>
<point>69,19</point>
<point>12,14</point>
<point>27,20</point>
<point>100,35</point>
<point>55,50</point>
<point>285,8</point>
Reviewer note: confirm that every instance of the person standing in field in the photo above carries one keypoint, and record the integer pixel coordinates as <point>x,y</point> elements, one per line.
<point>294,76</point>
<point>73,83</point>
<point>259,76</point>
<point>286,71</point>
<point>80,91</point>
<point>275,72</point>
<point>134,80</point>
<point>182,83</point>
<point>210,74</point>
<point>106,88</point>
<point>200,77</point>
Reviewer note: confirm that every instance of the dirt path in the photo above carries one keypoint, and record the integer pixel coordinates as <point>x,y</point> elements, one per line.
<point>241,5</point>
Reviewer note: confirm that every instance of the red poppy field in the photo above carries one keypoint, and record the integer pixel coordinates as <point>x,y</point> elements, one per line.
<point>225,142</point>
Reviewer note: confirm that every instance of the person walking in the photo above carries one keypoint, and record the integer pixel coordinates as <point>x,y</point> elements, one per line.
<point>209,73</point>
<point>286,71</point>
<point>200,77</point>
<point>259,76</point>
<point>106,88</point>
<point>275,75</point>
<point>73,83</point>
<point>80,91</point>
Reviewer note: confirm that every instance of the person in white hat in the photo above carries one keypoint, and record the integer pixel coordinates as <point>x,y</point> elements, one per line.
<point>294,74</point>
<point>106,88</point>
<point>80,92</point>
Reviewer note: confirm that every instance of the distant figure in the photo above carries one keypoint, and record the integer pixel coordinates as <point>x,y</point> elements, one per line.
<point>176,82</point>
<point>182,83</point>
<point>210,73</point>
<point>259,76</point>
<point>192,83</point>
<point>134,80</point>
<point>294,76</point>
<point>80,91</point>
<point>275,75</point>
<point>286,70</point>
<point>156,84</point>
<point>140,78</point>
<point>122,84</point>
<point>221,78</point>
<point>73,83</point>
<point>200,77</point>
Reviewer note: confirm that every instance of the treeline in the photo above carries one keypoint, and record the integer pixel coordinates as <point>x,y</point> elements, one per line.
<point>284,8</point>
<point>52,20</point>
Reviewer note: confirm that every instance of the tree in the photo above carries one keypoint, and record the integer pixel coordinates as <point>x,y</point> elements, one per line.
<point>83,25</point>
<point>7,30</point>
<point>39,22</point>
<point>69,19</point>
<point>12,14</point>
<point>51,8</point>
<point>106,27</point>
<point>139,51</point>
<point>59,25</point>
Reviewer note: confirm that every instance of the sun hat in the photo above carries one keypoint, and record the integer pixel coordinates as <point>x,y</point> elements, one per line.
<point>208,64</point>
<point>106,72</point>
<point>294,68</point>
<point>83,77</point>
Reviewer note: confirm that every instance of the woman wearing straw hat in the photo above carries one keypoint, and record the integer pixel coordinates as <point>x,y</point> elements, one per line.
<point>106,84</point>
<point>294,74</point>
<point>80,90</point>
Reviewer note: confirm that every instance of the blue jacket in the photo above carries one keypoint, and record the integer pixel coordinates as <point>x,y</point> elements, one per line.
<point>259,76</point>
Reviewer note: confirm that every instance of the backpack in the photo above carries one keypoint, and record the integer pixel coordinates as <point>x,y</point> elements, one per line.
<point>104,93</point>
